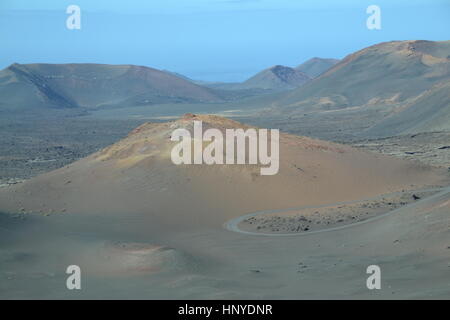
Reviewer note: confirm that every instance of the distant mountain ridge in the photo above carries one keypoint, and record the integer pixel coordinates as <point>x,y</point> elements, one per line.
<point>394,70</point>
<point>275,78</point>
<point>94,85</point>
<point>404,77</point>
<point>316,66</point>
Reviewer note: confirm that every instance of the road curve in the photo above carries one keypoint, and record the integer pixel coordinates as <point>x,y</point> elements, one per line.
<point>232,225</point>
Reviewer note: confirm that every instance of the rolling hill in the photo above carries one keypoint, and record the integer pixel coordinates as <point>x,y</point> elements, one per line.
<point>136,175</point>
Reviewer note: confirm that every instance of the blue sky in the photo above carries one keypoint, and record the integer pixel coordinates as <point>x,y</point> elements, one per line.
<point>223,40</point>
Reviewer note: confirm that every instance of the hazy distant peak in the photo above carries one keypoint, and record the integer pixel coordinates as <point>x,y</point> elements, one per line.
<point>285,73</point>
<point>314,67</point>
<point>277,77</point>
